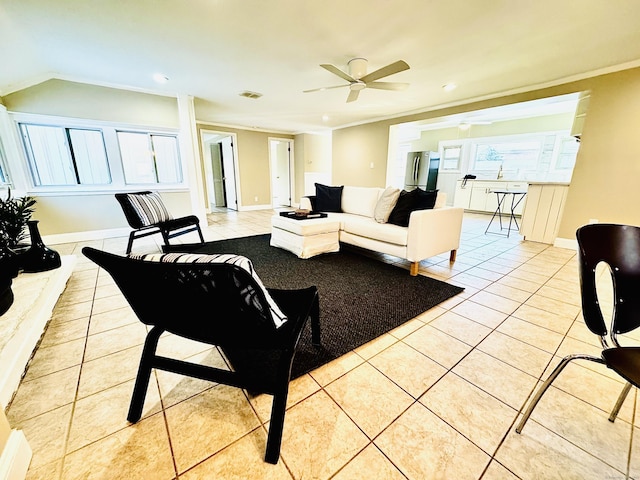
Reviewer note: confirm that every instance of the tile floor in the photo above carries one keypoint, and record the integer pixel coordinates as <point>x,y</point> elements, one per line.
<point>436,398</point>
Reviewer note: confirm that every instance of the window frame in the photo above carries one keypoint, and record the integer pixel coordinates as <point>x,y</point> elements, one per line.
<point>114,160</point>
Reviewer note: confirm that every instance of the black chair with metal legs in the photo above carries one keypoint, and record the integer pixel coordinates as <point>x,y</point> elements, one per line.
<point>147,215</point>
<point>218,300</point>
<point>617,246</point>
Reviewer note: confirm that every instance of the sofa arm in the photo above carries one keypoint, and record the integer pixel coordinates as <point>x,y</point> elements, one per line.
<point>432,232</point>
<point>307,202</point>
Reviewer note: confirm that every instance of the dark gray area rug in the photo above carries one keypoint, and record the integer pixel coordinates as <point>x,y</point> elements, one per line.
<point>361,298</point>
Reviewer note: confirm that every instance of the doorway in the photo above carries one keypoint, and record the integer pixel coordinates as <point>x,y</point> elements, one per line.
<point>281,162</point>
<point>219,152</point>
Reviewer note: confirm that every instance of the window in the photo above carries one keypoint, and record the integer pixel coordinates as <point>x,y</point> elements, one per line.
<point>149,158</point>
<point>451,157</point>
<point>567,154</point>
<point>65,156</point>
<point>515,155</point>
<point>4,178</point>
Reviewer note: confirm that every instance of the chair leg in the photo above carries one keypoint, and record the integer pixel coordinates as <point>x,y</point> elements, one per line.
<point>144,372</point>
<point>130,244</point>
<point>452,256</point>
<point>619,402</point>
<point>200,233</point>
<point>543,388</point>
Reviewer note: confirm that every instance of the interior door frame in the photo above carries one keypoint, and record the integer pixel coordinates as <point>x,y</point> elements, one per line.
<point>206,156</point>
<point>291,168</point>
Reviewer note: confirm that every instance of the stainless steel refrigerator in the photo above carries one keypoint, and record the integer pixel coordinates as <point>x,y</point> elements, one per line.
<point>422,170</point>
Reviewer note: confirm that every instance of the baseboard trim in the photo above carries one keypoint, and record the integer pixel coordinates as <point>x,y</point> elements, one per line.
<point>15,458</point>
<point>73,237</point>
<point>571,244</point>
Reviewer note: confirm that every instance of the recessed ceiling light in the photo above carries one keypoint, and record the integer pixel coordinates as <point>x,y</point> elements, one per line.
<point>449,87</point>
<point>325,117</point>
<point>160,77</point>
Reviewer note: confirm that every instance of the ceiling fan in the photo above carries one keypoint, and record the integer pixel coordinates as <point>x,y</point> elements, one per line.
<point>359,79</point>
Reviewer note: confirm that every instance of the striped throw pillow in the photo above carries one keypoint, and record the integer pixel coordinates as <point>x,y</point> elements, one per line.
<point>149,208</point>
<point>278,317</point>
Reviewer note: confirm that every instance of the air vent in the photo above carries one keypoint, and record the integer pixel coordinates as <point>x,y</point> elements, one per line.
<point>249,94</point>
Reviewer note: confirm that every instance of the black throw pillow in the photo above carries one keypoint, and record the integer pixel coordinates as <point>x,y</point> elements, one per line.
<point>425,200</point>
<point>404,206</point>
<point>328,199</point>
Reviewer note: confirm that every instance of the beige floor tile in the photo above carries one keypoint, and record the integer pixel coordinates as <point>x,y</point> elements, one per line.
<point>110,370</point>
<point>139,451</point>
<point>438,346</point>
<point>556,322</point>
<point>495,302</point>
<point>558,307</point>
<point>461,328</point>
<point>174,346</point>
<point>57,333</point>
<point>370,464</point>
<point>105,412</point>
<point>240,461</point>
<point>477,415</point>
<point>72,296</point>
<point>46,435</point>
<point>299,389</point>
<point>634,456</point>
<point>524,284</point>
<point>50,471</point>
<point>585,426</point>
<point>409,369</point>
<point>369,398</point>
<point>511,293</point>
<point>375,346</point>
<point>496,471</point>
<point>43,394</point>
<point>107,304</point>
<point>538,453</point>
<point>487,316</point>
<point>506,383</point>
<point>319,438</point>
<point>74,311</point>
<point>328,372</point>
<point>407,328</point>
<point>55,358</point>
<point>512,351</point>
<point>466,279</point>
<point>207,423</point>
<point>114,340</point>
<point>415,442</point>
<point>539,337</point>
<point>101,322</point>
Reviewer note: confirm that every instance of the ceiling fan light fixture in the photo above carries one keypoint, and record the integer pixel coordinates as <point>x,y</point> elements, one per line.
<point>357,67</point>
<point>160,78</point>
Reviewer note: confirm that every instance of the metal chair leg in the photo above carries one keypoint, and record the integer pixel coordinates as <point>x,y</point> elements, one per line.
<point>619,402</point>
<point>543,388</point>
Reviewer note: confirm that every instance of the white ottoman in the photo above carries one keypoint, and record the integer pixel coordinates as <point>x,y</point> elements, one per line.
<point>305,238</point>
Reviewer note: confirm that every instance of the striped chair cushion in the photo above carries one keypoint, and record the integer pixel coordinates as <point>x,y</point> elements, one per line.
<point>278,317</point>
<point>149,208</point>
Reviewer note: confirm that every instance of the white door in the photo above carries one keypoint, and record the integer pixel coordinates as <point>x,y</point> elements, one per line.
<point>220,169</point>
<point>228,167</point>
<point>280,155</point>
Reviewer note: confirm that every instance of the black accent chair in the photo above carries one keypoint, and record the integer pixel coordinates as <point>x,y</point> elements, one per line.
<point>219,304</point>
<point>618,246</point>
<point>147,215</point>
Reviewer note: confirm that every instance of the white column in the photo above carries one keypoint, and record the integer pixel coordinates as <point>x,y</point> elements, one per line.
<point>190,152</point>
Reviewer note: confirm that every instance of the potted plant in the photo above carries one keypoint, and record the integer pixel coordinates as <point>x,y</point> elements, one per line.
<point>14,215</point>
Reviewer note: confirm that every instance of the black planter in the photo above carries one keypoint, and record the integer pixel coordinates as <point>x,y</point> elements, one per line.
<point>39,257</point>
<point>8,270</point>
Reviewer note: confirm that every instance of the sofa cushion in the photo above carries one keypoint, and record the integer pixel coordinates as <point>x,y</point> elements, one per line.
<point>369,228</point>
<point>328,199</point>
<point>385,204</point>
<point>360,200</point>
<point>425,200</point>
<point>404,206</point>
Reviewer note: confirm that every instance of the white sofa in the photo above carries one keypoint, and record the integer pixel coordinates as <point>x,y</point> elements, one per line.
<point>430,232</point>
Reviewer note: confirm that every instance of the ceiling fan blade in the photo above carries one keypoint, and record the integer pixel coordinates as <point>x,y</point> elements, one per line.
<point>390,69</point>
<point>336,71</point>
<point>353,96</point>
<point>387,85</point>
<point>324,88</point>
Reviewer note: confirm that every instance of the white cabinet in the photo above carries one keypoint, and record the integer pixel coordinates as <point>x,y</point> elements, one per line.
<point>479,196</point>
<point>542,215</point>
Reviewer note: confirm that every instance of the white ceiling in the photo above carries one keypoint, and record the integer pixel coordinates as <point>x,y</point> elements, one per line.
<point>215,49</point>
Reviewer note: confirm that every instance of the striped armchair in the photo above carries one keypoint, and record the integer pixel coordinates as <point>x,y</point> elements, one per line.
<point>147,215</point>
